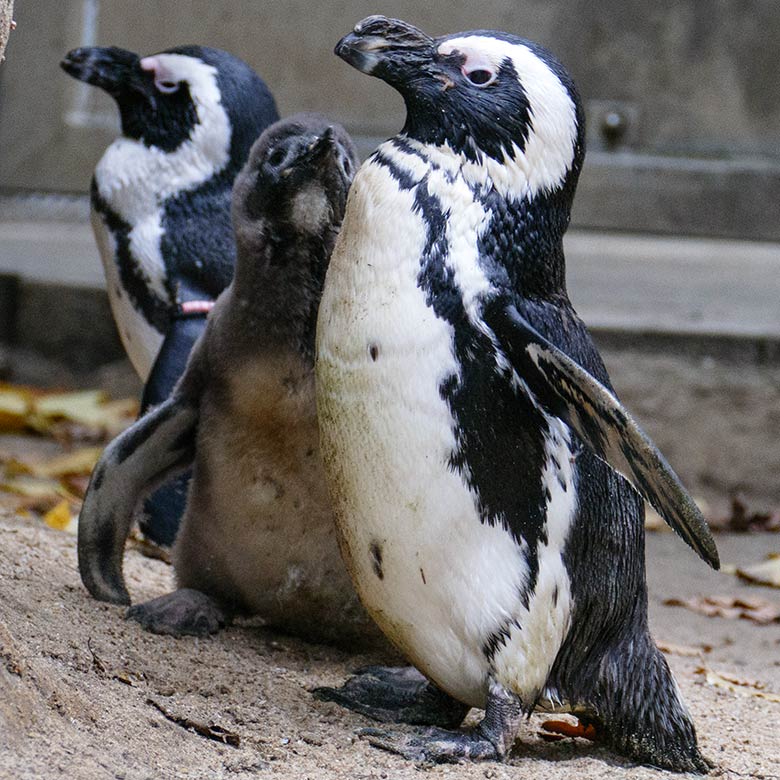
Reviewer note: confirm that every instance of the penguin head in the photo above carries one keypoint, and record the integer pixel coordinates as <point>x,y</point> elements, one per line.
<point>165,97</point>
<point>503,104</point>
<point>296,179</point>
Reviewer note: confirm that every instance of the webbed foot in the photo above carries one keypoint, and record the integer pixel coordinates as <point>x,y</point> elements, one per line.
<point>396,695</point>
<point>185,612</point>
<point>435,746</point>
<point>490,740</point>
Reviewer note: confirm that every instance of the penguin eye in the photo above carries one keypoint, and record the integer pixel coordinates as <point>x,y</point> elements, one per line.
<point>481,77</point>
<point>167,87</point>
<point>277,157</point>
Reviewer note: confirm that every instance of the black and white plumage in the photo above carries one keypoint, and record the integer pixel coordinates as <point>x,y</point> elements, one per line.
<point>466,418</point>
<point>161,202</point>
<point>258,534</point>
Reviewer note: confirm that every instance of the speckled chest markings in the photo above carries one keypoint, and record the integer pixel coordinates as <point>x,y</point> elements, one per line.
<point>445,550</point>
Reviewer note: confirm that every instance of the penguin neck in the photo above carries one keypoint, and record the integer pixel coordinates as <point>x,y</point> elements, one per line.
<point>278,284</point>
<point>524,230</point>
<point>526,238</point>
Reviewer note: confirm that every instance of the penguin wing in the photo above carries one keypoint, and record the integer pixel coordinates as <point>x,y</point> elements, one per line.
<point>566,390</point>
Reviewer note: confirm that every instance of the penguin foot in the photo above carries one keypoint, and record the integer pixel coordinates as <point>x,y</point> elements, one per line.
<point>185,612</point>
<point>490,740</point>
<point>396,695</point>
<point>435,746</point>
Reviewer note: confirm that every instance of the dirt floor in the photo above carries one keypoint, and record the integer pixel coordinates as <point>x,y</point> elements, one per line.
<point>85,694</point>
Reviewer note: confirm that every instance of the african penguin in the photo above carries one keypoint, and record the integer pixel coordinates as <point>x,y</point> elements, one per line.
<point>258,534</point>
<point>470,436</point>
<point>161,205</point>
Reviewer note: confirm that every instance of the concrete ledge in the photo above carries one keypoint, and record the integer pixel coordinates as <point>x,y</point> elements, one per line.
<point>617,281</point>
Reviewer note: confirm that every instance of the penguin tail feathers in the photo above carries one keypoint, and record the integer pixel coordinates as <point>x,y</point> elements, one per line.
<point>639,709</point>
<point>156,446</point>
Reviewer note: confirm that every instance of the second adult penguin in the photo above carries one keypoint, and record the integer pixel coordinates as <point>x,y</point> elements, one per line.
<point>161,207</point>
<point>258,534</point>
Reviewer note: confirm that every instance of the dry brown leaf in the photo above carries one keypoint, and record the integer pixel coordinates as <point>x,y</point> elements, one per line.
<point>757,610</point>
<point>685,651</point>
<point>764,573</point>
<point>745,520</point>
<point>736,685</point>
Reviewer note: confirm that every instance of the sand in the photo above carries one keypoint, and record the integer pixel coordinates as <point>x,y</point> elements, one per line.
<point>82,691</point>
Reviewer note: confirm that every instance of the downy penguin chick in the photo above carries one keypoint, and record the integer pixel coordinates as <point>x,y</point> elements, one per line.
<point>469,432</point>
<point>160,202</point>
<point>258,535</point>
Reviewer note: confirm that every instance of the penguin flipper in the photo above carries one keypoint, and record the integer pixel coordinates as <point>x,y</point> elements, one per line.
<point>163,509</point>
<point>567,391</point>
<point>156,446</point>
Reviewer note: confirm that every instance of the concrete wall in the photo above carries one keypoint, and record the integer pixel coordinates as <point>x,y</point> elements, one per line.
<point>694,82</point>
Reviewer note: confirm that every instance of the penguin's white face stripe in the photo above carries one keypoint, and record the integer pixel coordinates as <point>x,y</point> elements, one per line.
<point>549,149</point>
<point>135,180</point>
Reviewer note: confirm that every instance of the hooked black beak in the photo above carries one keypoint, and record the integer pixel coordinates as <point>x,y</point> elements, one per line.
<point>384,47</point>
<point>112,69</point>
<point>317,152</point>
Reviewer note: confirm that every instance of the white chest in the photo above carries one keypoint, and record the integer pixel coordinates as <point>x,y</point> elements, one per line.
<point>437,580</point>
<point>141,341</point>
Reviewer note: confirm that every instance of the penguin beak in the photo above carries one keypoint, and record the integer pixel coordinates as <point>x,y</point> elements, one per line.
<point>115,70</point>
<point>390,49</point>
<point>318,152</point>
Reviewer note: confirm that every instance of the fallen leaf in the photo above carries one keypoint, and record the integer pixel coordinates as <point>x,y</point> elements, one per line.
<point>47,412</point>
<point>560,729</point>
<point>685,651</point>
<point>60,518</point>
<point>736,685</point>
<point>30,487</point>
<point>756,610</point>
<point>764,573</point>
<point>15,405</point>
<point>743,520</point>
<point>80,462</point>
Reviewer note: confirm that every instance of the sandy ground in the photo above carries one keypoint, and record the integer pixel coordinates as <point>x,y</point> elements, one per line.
<point>81,689</point>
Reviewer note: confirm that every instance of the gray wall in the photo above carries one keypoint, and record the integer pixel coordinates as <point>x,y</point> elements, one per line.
<point>696,83</point>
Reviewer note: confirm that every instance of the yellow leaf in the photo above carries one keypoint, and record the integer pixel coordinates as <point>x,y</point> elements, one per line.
<point>14,407</point>
<point>82,407</point>
<point>59,517</point>
<point>78,462</point>
<point>29,487</point>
